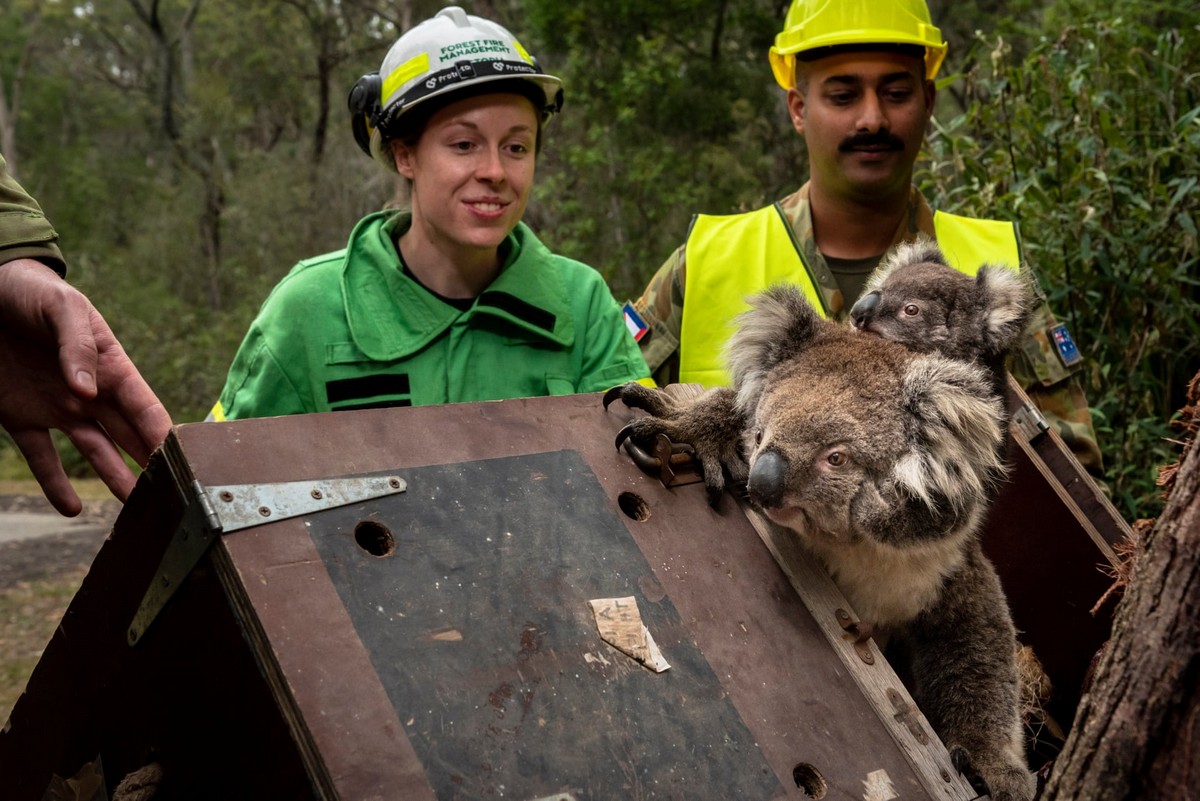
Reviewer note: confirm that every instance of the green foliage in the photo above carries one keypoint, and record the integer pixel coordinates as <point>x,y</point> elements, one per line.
<point>1092,142</point>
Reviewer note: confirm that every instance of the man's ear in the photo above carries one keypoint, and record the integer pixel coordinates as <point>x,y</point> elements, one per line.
<point>930,96</point>
<point>402,156</point>
<point>795,104</point>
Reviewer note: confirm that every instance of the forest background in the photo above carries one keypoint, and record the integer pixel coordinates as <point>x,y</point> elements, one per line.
<point>191,151</point>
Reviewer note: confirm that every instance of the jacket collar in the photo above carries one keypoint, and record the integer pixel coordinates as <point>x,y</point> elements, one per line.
<point>391,316</point>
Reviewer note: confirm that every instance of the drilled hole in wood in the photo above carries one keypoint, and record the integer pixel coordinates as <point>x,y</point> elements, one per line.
<point>634,506</point>
<point>810,780</point>
<point>374,538</point>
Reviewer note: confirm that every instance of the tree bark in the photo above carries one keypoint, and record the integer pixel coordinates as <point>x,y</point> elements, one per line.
<point>1137,732</point>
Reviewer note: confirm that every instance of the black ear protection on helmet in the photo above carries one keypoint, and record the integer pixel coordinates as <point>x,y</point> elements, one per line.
<point>365,108</point>
<point>555,106</point>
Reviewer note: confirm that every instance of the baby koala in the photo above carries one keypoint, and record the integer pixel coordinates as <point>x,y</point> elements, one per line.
<point>917,299</point>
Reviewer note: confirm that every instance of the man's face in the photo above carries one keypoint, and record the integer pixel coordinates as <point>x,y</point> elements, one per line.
<point>863,116</point>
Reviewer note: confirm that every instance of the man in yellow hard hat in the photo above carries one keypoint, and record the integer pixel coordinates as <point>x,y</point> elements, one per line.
<point>859,81</point>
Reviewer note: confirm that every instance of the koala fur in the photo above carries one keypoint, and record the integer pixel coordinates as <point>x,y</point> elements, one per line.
<point>882,461</point>
<point>917,299</point>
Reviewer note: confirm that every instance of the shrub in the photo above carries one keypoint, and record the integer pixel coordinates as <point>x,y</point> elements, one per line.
<point>1092,142</point>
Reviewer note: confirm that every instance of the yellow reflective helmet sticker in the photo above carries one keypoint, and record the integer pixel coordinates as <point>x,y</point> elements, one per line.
<point>404,73</point>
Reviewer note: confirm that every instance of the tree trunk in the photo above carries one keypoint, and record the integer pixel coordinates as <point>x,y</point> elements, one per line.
<point>1137,732</point>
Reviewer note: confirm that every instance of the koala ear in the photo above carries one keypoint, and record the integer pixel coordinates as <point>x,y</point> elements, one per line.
<point>1007,303</point>
<point>779,325</point>
<point>922,250</point>
<point>954,428</point>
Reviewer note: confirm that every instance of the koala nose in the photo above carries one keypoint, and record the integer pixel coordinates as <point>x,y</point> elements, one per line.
<point>862,311</point>
<point>767,479</point>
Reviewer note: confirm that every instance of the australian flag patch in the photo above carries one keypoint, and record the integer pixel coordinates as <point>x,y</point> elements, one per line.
<point>1068,353</point>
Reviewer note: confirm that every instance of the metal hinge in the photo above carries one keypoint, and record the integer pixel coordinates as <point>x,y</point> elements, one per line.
<point>213,511</point>
<point>858,633</point>
<point>1029,422</point>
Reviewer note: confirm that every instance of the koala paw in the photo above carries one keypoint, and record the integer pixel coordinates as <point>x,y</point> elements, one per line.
<point>1003,779</point>
<point>709,424</point>
<point>635,396</point>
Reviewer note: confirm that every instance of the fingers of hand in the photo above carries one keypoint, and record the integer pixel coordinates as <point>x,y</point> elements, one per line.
<point>127,407</point>
<point>79,329</point>
<point>46,466</point>
<point>95,445</point>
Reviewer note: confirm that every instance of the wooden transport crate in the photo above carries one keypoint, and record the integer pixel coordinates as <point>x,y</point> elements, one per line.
<point>436,641</point>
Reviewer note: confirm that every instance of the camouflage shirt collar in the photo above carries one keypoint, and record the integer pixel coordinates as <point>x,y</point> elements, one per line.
<point>798,212</point>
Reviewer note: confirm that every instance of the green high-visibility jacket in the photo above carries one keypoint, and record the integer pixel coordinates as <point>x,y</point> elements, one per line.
<point>349,330</point>
<point>733,256</point>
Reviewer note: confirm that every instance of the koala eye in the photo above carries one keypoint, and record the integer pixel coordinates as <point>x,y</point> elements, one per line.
<point>758,436</point>
<point>911,310</point>
<point>837,458</point>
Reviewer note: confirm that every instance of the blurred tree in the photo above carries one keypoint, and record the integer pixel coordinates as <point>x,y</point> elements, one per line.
<point>183,197</point>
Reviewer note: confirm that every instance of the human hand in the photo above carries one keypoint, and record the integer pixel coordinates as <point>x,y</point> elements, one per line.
<point>62,368</point>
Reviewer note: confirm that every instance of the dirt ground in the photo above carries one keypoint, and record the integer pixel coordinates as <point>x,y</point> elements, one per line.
<point>46,557</point>
<point>38,578</point>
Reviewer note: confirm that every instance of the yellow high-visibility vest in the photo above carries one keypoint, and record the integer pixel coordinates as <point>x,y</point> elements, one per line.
<point>731,257</point>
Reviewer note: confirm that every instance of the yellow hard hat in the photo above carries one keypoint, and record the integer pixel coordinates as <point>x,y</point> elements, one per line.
<point>811,24</point>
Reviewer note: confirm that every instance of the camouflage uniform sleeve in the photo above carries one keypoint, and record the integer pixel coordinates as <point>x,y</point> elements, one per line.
<point>1055,388</point>
<point>661,307</point>
<point>25,233</point>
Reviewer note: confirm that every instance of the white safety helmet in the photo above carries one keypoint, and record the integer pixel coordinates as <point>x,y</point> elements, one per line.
<point>446,53</point>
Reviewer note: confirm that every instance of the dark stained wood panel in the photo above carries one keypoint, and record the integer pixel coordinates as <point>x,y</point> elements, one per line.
<point>1053,574</point>
<point>476,620</point>
<point>191,697</point>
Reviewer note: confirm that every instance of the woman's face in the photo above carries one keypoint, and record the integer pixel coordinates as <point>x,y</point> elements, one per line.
<point>471,171</point>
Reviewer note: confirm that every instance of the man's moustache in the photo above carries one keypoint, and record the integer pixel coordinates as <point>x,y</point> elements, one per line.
<point>859,141</point>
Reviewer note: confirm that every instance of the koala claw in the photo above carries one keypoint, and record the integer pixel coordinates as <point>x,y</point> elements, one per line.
<point>625,433</point>
<point>714,486</point>
<point>611,396</point>
<point>635,396</point>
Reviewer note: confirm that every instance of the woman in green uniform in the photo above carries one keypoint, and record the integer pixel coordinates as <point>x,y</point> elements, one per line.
<point>454,299</point>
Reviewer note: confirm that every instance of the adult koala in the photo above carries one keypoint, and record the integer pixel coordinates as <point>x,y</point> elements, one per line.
<point>882,461</point>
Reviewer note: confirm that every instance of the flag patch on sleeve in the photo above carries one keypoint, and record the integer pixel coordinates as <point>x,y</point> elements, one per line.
<point>634,322</point>
<point>1065,346</point>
